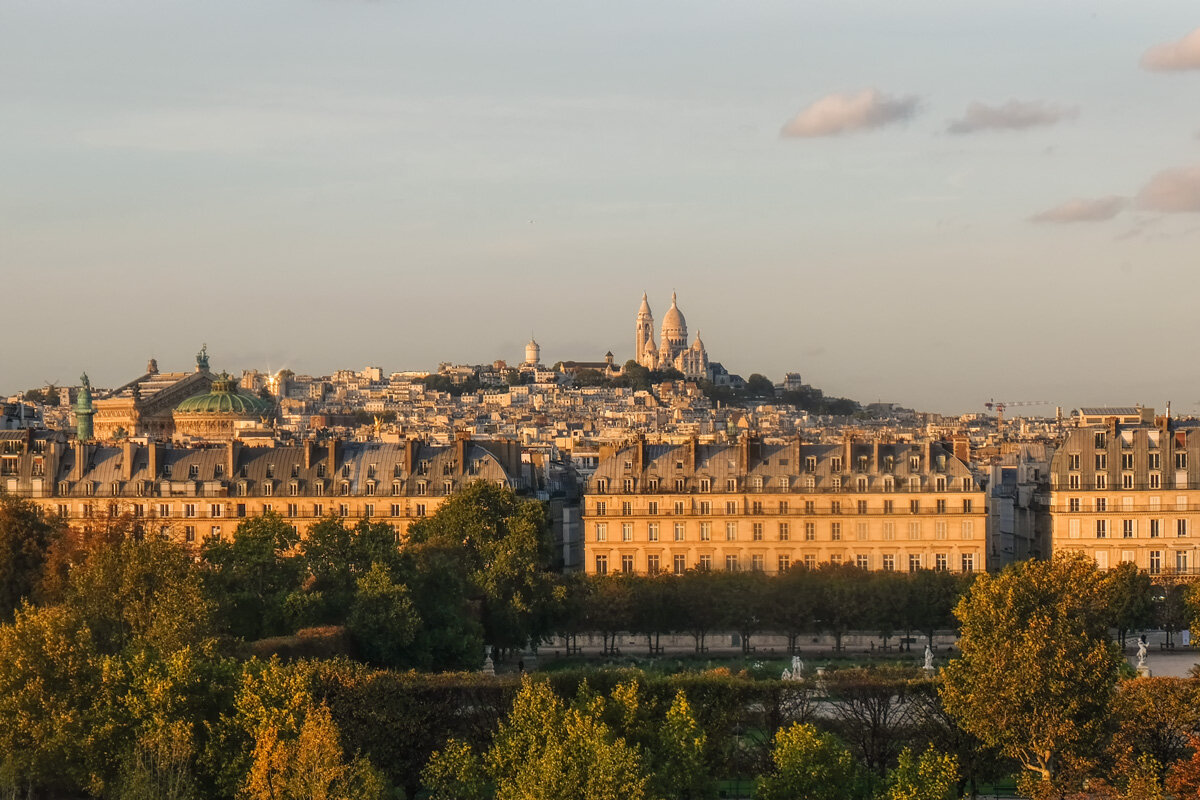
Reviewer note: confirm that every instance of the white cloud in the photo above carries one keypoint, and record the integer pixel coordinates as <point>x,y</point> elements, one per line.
<point>1171,56</point>
<point>851,111</point>
<point>1082,210</point>
<point>1011,116</point>
<point>1172,191</point>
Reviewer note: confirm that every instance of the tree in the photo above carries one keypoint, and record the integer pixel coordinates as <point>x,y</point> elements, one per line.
<point>930,776</point>
<point>252,575</point>
<point>610,607</point>
<point>504,541</point>
<point>1130,599</point>
<point>810,765</point>
<point>741,598</point>
<point>566,752</point>
<point>27,536</point>
<point>792,602</point>
<point>309,767</point>
<point>759,386</point>
<point>874,710</point>
<point>336,557</point>
<point>841,602</point>
<point>1156,717</point>
<point>1037,670</point>
<point>383,620</point>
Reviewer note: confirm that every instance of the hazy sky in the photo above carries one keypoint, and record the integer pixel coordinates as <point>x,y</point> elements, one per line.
<point>932,203</point>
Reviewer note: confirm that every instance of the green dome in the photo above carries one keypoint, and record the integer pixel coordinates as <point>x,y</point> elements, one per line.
<point>224,398</point>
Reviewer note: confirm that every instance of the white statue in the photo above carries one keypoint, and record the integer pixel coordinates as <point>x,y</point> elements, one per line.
<point>786,676</point>
<point>928,659</point>
<point>1141,652</point>
<point>797,667</point>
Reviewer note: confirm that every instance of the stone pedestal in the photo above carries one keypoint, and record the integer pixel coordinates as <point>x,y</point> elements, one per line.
<point>1143,672</point>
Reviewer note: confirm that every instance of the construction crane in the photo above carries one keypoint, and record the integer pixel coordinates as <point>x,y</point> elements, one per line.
<point>1000,405</point>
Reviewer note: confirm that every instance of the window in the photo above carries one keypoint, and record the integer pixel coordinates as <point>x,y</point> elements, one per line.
<point>1181,561</point>
<point>810,531</point>
<point>756,563</point>
<point>627,532</point>
<point>678,508</point>
<point>215,532</point>
<point>756,531</point>
<point>705,563</point>
<point>680,484</point>
<point>861,531</point>
<point>164,510</point>
<point>652,563</point>
<point>652,484</point>
<point>731,563</point>
<point>861,484</point>
<point>914,506</point>
<point>395,509</point>
<point>1155,528</point>
<point>652,508</point>
<point>1126,460</point>
<point>1074,504</point>
<point>319,489</point>
<point>939,529</point>
<point>193,470</point>
<point>810,482</point>
<point>216,510</point>
<point>941,562</point>
<point>889,506</point>
<point>1155,562</point>
<point>601,531</point>
<point>835,464</point>
<point>889,531</point>
<point>731,485</point>
<point>1101,461</point>
<point>756,507</point>
<point>862,561</point>
<point>1101,529</point>
<point>627,484</point>
<point>679,531</point>
<point>1155,480</point>
<point>189,509</point>
<point>835,507</point>
<point>940,506</point>
<point>810,506</point>
<point>189,533</point>
<point>705,531</point>
<point>914,562</point>
<point>835,531</point>
<point>1101,481</point>
<point>601,506</point>
<point>601,565</point>
<point>940,483</point>
<point>731,507</point>
<point>889,562</point>
<point>1128,528</point>
<point>1073,481</point>
<point>1127,480</point>
<point>343,509</point>
<point>626,509</point>
<point>968,562</point>
<point>1154,461</point>
<point>731,531</point>
<point>1073,528</point>
<point>1181,527</point>
<point>1181,460</point>
<point>968,505</point>
<point>784,563</point>
<point>627,564</point>
<point>652,532</point>
<point>968,529</point>
<point>914,530</point>
<point>810,561</point>
<point>784,532</point>
<point>1102,504</point>
<point>810,464</point>
<point>861,506</point>
<point>705,507</point>
<point>679,563</point>
<point>757,485</point>
<point>783,506</point>
<point>420,509</point>
<point>1099,440</point>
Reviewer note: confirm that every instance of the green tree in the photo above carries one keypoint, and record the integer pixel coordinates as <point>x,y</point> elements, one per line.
<point>551,751</point>
<point>504,542</point>
<point>1130,599</point>
<point>1037,670</point>
<point>336,557</point>
<point>383,621</point>
<point>810,765</point>
<point>759,386</point>
<point>47,676</point>
<point>930,776</point>
<point>791,604</point>
<point>456,773</point>
<point>27,536</point>
<point>252,575</point>
<point>147,592</point>
<point>1155,717</point>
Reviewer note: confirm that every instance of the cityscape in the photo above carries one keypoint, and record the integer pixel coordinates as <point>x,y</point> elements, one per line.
<point>359,439</point>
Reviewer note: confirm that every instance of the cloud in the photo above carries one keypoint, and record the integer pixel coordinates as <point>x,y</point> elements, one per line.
<point>1172,56</point>
<point>1172,191</point>
<point>1014,115</point>
<point>1082,210</point>
<point>851,111</point>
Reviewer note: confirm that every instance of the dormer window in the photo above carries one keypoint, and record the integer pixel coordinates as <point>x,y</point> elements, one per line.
<point>447,487</point>
<point>810,464</point>
<point>295,470</point>
<point>397,488</point>
<point>602,485</point>
<point>678,465</point>
<point>758,483</point>
<point>370,487</point>
<point>835,464</point>
<point>370,471</point>
<point>680,484</point>
<point>345,487</point>
<point>862,484</point>
<point>89,488</point>
<point>319,489</point>
<point>396,471</point>
<point>421,488</point>
<point>270,470</point>
<point>706,484</point>
<point>242,471</point>
<point>115,488</point>
<point>193,471</point>
<point>294,488</point>
<point>241,488</point>
<point>320,470</point>
<point>218,472</point>
<point>268,488</point>
<point>914,462</point>
<point>652,484</point>
<point>628,465</point>
<point>862,463</point>
<point>345,470</point>
<point>731,485</point>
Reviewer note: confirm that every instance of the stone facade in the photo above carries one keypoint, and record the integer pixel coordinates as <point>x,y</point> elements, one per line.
<point>760,506</point>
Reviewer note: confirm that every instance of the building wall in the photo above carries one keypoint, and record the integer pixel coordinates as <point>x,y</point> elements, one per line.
<point>768,507</point>
<point>1129,493</point>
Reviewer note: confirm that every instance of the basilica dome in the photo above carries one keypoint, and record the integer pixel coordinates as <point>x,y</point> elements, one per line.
<point>221,412</point>
<point>673,322</point>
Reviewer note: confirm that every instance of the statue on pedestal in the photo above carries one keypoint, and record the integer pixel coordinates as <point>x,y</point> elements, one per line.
<point>928,659</point>
<point>1141,653</point>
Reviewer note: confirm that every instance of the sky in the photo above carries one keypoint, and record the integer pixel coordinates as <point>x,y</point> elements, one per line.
<point>929,203</point>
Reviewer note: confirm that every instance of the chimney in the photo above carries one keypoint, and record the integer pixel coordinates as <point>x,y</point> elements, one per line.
<point>410,455</point>
<point>692,454</point>
<point>331,467</point>
<point>152,460</point>
<point>795,455</point>
<point>962,448</point>
<point>875,465</point>
<point>461,440</point>
<point>848,451</point>
<point>744,453</point>
<point>127,454</point>
<point>639,455</point>
<point>232,450</point>
<point>928,465</point>
<point>308,454</point>
<point>81,457</point>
